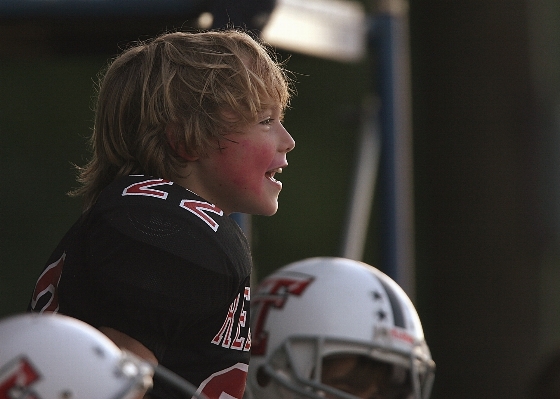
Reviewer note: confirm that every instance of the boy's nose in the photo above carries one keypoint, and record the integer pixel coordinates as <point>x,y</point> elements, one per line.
<point>290,141</point>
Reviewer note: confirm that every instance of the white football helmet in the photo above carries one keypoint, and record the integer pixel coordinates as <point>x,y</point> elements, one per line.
<point>321,307</point>
<point>51,356</point>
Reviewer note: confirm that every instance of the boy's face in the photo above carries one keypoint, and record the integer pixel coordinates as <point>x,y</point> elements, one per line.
<point>361,377</point>
<point>240,176</point>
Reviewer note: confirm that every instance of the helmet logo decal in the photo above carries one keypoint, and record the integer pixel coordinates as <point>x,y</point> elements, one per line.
<point>16,377</point>
<point>274,292</point>
<point>45,295</point>
<point>402,336</point>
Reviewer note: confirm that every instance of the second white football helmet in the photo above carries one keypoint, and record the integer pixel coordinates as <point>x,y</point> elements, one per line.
<point>318,308</point>
<point>51,356</point>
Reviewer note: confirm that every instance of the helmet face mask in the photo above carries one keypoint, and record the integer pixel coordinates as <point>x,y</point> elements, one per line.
<point>287,369</point>
<point>346,310</point>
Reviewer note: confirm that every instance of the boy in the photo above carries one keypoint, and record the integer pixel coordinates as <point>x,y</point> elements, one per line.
<point>339,329</point>
<point>187,131</point>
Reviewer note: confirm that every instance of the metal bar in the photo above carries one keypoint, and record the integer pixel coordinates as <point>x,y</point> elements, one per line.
<point>363,188</point>
<point>393,71</point>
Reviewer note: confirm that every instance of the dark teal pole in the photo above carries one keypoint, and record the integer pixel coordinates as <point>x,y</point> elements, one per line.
<point>390,43</point>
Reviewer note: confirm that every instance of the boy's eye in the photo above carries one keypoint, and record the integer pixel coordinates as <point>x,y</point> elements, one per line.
<point>267,121</point>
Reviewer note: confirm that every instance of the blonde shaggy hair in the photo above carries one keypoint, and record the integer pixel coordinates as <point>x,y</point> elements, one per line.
<point>177,87</point>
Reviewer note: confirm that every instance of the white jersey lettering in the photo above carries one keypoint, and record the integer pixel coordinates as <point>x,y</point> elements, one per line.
<point>200,209</point>
<point>145,188</point>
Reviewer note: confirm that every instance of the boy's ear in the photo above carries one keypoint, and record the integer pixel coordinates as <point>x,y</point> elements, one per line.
<point>176,145</point>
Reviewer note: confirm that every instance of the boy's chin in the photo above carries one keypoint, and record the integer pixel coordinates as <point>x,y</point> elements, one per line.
<point>269,213</point>
<point>261,207</point>
<point>269,209</point>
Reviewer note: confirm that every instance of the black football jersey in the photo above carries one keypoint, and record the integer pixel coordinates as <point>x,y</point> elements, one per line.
<point>164,266</point>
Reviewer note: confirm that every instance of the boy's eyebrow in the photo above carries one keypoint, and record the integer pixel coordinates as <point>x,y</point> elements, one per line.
<point>272,108</point>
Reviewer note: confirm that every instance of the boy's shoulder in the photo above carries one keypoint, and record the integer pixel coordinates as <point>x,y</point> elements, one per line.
<point>153,196</point>
<point>168,216</point>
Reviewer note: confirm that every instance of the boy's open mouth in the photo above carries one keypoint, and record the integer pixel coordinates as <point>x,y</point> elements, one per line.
<point>270,174</point>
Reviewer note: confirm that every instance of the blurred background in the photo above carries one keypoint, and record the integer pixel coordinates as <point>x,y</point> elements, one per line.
<point>483,164</point>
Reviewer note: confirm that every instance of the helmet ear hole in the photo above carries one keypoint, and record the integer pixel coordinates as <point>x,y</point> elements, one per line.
<point>263,379</point>
<point>66,394</point>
